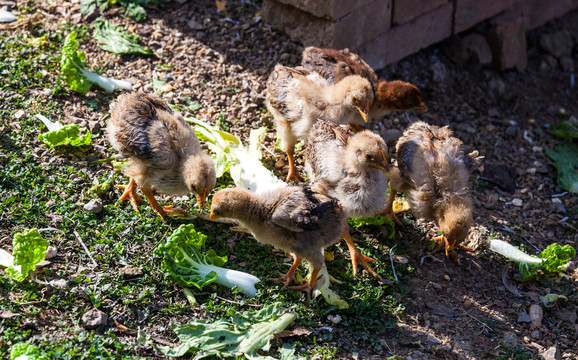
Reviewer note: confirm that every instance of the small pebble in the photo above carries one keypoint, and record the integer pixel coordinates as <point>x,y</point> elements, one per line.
<point>6,16</point>
<point>517,202</point>
<point>94,206</point>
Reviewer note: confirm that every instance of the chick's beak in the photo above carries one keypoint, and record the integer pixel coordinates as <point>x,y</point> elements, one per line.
<point>202,199</point>
<point>214,216</point>
<point>383,165</point>
<point>365,111</point>
<point>421,107</point>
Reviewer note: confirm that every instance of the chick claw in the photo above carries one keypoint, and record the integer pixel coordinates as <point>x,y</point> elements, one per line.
<point>130,194</point>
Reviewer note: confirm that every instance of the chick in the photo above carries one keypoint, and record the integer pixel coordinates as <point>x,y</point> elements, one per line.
<point>297,99</point>
<point>162,149</point>
<point>350,167</point>
<point>294,219</point>
<point>434,171</point>
<point>334,65</point>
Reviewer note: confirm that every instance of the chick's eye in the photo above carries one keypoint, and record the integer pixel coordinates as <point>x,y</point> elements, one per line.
<point>369,157</point>
<point>355,100</point>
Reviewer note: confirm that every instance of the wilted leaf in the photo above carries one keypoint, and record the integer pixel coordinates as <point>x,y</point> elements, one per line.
<point>565,157</point>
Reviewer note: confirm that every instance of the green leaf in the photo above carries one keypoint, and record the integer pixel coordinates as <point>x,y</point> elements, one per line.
<point>134,11</point>
<point>565,157</point>
<point>24,351</point>
<point>67,135</point>
<point>374,221</point>
<point>117,40</point>
<point>567,129</point>
<point>188,266</point>
<point>28,249</point>
<point>71,63</point>
<point>245,334</point>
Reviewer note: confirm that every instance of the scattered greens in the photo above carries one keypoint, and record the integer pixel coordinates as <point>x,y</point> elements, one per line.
<point>116,40</point>
<point>243,163</point>
<point>565,157</point>
<point>552,260</point>
<point>24,351</point>
<point>187,266</point>
<point>79,79</point>
<point>133,8</point>
<point>550,299</point>
<point>567,129</point>
<point>59,134</point>
<point>245,333</point>
<point>28,249</point>
<point>374,221</point>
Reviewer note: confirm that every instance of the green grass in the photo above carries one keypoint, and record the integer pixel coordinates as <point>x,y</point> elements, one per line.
<point>46,189</point>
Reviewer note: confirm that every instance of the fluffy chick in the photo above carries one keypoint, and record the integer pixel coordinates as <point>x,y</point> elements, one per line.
<point>162,149</point>
<point>350,167</point>
<point>298,98</point>
<point>334,65</point>
<point>294,219</point>
<point>434,171</point>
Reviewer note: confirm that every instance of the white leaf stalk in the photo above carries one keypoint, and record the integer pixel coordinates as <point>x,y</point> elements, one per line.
<point>512,252</point>
<point>51,125</point>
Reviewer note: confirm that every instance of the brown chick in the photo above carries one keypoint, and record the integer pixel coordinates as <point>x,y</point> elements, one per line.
<point>297,99</point>
<point>434,171</point>
<point>334,65</point>
<point>162,149</point>
<point>350,167</point>
<point>294,219</point>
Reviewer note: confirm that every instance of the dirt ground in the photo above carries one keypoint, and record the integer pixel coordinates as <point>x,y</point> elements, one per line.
<point>468,311</point>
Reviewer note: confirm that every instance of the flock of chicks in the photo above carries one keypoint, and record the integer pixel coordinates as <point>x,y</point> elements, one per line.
<point>324,103</point>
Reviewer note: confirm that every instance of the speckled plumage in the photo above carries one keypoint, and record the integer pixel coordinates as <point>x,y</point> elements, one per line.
<point>434,171</point>
<point>162,149</point>
<point>338,161</point>
<point>294,219</point>
<point>298,98</point>
<point>334,65</point>
<point>349,167</point>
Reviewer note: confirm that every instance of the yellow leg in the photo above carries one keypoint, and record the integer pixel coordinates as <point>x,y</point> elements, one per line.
<point>130,194</point>
<point>388,212</point>
<point>357,257</point>
<point>293,174</point>
<point>162,211</point>
<point>310,285</point>
<point>289,277</point>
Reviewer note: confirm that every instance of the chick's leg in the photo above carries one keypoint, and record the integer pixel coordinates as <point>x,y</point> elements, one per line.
<point>162,211</point>
<point>357,257</point>
<point>310,285</point>
<point>286,279</point>
<point>130,194</point>
<point>388,212</point>
<point>293,174</point>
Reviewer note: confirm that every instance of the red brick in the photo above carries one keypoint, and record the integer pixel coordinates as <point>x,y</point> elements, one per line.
<point>538,12</point>
<point>403,40</point>
<point>328,9</point>
<point>470,12</point>
<point>406,10</point>
<point>350,31</point>
<point>507,38</point>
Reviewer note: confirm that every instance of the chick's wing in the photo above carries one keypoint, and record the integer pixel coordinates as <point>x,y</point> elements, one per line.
<point>304,210</point>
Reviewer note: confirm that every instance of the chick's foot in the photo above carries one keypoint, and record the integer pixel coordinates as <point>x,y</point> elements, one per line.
<point>358,258</point>
<point>130,194</point>
<point>310,285</point>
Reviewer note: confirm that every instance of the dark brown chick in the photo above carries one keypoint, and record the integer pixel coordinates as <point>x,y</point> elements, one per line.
<point>162,149</point>
<point>434,171</point>
<point>298,98</point>
<point>294,219</point>
<point>334,65</point>
<point>350,167</point>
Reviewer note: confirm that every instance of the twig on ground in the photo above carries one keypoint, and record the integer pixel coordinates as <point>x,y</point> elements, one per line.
<point>527,240</point>
<point>391,259</point>
<point>85,248</point>
<point>269,151</point>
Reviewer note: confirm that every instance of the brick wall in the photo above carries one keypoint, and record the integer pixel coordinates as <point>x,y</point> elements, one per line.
<point>385,31</point>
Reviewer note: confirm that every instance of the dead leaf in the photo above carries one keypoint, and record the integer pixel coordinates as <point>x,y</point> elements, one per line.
<point>7,314</point>
<point>221,5</point>
<point>299,331</point>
